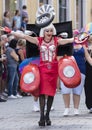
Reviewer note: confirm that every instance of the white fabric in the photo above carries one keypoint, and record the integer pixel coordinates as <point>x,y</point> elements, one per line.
<point>77,90</point>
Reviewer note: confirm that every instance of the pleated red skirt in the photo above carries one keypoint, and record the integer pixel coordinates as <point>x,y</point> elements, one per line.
<point>48,76</point>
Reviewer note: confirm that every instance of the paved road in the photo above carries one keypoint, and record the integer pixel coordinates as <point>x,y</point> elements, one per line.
<point>17,114</point>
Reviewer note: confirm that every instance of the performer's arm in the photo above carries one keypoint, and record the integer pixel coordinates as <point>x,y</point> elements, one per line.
<point>26,37</point>
<point>87,55</point>
<point>65,41</point>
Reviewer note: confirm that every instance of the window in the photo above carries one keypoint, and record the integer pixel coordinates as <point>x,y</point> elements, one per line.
<point>10,6</point>
<point>20,3</point>
<point>79,13</point>
<point>62,10</point>
<point>41,2</point>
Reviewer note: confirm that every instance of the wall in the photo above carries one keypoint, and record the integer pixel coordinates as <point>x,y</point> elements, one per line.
<point>1,10</point>
<point>88,11</point>
<point>32,6</point>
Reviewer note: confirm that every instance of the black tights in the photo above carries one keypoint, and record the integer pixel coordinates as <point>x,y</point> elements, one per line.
<point>42,106</point>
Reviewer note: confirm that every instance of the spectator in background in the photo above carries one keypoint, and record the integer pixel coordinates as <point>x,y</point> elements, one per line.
<point>88,79</point>
<point>81,55</point>
<point>24,12</point>
<point>16,22</point>
<point>12,64</point>
<point>5,44</point>
<point>6,19</point>
<point>24,23</point>
<point>5,41</point>
<point>21,44</point>
<point>2,58</point>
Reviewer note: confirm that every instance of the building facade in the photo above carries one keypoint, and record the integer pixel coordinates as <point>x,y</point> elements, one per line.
<point>77,11</point>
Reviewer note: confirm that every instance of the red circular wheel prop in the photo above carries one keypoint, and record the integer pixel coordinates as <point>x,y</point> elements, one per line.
<point>30,79</point>
<point>69,72</point>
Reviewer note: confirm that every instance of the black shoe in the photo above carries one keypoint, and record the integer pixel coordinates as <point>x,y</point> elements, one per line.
<point>5,95</point>
<point>48,121</point>
<point>2,99</point>
<point>41,123</point>
<point>23,93</point>
<point>6,91</point>
<point>90,111</point>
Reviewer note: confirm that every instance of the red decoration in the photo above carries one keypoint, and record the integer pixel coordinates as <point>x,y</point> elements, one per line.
<point>30,79</point>
<point>69,72</point>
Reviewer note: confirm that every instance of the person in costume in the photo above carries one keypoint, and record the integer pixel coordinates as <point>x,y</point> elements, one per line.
<point>47,43</point>
<point>81,55</point>
<point>88,80</point>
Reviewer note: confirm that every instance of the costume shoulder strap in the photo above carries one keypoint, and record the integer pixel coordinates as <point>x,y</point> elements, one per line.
<point>55,40</point>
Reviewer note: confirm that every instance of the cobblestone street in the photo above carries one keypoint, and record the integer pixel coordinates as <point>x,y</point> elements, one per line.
<point>17,114</point>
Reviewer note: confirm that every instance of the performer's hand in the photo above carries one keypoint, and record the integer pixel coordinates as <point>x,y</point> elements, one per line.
<point>77,41</point>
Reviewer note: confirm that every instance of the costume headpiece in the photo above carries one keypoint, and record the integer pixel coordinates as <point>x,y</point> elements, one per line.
<point>44,16</point>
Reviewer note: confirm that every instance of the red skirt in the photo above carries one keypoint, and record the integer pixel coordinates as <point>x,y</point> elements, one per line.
<point>49,75</point>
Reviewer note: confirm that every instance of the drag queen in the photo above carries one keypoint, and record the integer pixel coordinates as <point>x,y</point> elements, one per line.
<point>47,43</point>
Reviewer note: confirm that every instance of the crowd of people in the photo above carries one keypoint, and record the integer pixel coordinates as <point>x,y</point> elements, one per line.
<point>13,52</point>
<point>18,21</point>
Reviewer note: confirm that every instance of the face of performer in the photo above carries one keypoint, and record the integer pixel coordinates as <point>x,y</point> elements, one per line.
<point>48,33</point>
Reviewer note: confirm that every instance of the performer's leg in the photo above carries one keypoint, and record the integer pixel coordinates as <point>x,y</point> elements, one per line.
<point>42,107</point>
<point>49,104</point>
